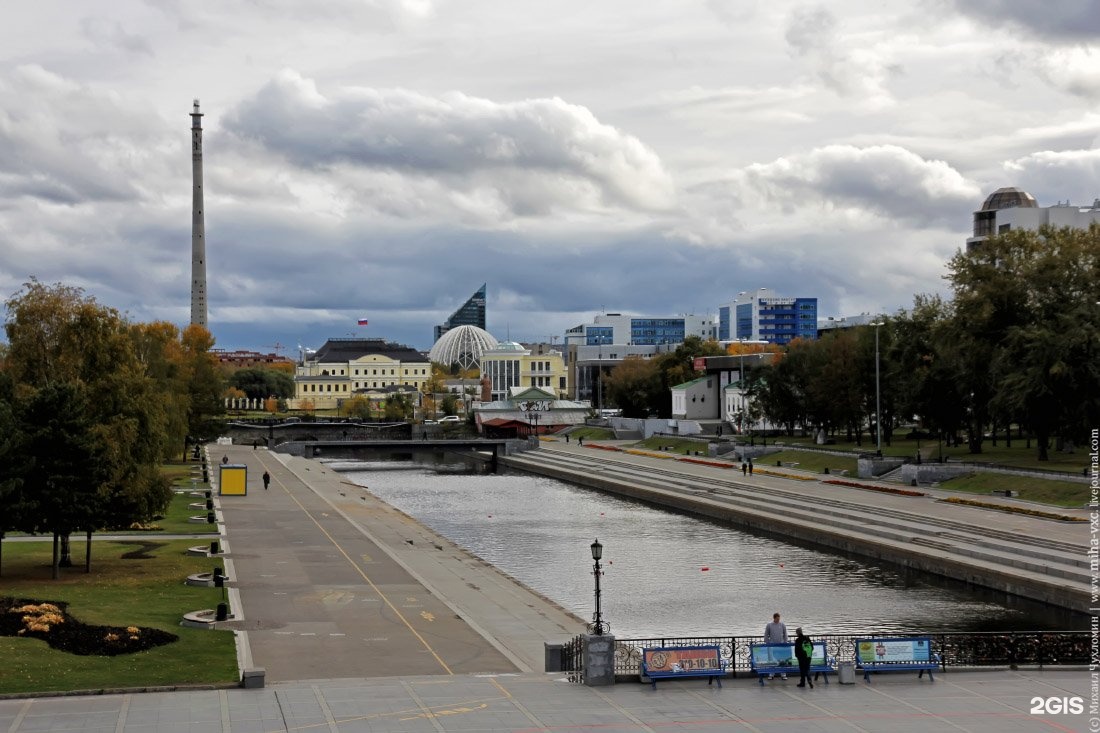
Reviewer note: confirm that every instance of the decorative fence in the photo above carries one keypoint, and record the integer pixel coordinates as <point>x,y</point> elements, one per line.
<point>957,649</point>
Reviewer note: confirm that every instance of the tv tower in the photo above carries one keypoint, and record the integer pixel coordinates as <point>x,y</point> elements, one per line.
<point>198,229</point>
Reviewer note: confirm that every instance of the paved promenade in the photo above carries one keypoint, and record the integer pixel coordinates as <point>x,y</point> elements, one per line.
<point>367,621</point>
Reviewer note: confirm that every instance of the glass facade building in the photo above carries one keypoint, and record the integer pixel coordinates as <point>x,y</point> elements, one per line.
<point>764,316</point>
<point>470,313</point>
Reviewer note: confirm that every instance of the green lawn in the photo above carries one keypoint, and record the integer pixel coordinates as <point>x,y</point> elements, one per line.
<point>811,461</point>
<point>1046,491</point>
<point>1017,456</point>
<point>682,446</point>
<point>175,520</point>
<point>118,592</point>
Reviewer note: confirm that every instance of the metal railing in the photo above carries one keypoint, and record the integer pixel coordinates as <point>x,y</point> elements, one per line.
<point>956,649</point>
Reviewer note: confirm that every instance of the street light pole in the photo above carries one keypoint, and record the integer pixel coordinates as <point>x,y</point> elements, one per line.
<point>741,384</point>
<point>598,626</point>
<point>878,391</point>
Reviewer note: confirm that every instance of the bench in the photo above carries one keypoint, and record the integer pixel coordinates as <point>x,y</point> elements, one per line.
<point>896,655</point>
<point>661,663</point>
<point>769,659</point>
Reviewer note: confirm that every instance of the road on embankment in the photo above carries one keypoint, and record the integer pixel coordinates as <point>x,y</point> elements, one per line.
<point>1037,558</point>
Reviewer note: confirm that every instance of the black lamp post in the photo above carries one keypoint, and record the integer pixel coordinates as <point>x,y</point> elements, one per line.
<point>598,626</point>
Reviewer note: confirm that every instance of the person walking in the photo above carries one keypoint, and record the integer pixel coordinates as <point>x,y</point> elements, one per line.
<point>744,469</point>
<point>803,652</point>
<point>750,467</point>
<point>267,480</point>
<point>225,459</point>
<point>776,633</point>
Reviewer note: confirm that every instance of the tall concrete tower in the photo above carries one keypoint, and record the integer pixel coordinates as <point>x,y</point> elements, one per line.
<point>198,228</point>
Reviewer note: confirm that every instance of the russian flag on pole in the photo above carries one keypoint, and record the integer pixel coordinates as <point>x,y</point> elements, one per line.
<point>362,321</point>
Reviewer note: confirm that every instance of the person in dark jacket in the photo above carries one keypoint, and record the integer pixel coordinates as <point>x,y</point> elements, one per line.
<point>803,652</point>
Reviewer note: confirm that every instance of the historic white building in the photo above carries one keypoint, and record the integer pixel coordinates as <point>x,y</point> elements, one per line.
<point>343,368</point>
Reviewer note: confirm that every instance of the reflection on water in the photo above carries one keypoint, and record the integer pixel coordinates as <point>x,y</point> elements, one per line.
<point>666,574</point>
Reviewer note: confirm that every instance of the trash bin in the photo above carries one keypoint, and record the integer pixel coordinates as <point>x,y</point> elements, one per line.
<point>846,673</point>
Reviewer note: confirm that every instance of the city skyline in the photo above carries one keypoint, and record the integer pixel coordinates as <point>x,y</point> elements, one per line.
<point>578,159</point>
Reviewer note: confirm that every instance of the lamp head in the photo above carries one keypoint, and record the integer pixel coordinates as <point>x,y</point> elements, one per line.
<point>597,550</point>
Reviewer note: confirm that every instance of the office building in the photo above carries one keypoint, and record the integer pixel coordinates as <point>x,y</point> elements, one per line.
<point>616,328</point>
<point>470,313</point>
<point>761,315</point>
<point>1010,208</point>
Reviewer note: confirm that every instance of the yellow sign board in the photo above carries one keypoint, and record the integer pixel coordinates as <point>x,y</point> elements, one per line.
<point>233,479</point>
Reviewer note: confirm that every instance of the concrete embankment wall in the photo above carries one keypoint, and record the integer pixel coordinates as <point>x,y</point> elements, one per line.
<point>930,560</point>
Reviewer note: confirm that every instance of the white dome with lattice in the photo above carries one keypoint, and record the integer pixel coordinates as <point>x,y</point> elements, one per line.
<point>462,345</point>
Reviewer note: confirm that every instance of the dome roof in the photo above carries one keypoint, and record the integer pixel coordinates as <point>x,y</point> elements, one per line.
<point>509,346</point>
<point>462,345</point>
<point>1009,198</point>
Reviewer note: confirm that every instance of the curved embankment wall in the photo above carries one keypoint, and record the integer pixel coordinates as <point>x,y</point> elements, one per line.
<point>989,575</point>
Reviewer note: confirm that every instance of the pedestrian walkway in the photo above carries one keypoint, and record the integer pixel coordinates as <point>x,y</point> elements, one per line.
<point>978,702</point>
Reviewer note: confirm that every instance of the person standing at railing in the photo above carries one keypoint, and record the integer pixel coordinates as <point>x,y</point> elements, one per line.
<point>776,633</point>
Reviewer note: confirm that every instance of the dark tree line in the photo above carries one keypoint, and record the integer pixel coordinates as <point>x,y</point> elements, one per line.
<point>1017,345</point>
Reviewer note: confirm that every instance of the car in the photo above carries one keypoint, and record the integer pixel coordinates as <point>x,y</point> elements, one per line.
<point>431,422</point>
<point>450,418</point>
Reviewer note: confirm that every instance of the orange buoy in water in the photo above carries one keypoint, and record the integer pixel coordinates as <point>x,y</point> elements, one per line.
<point>704,569</point>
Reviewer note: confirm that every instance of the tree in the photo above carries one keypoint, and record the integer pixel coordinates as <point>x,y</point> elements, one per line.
<point>449,404</point>
<point>634,386</point>
<point>204,384</point>
<point>258,384</point>
<point>398,407</point>
<point>1024,326</point>
<point>15,505</point>
<point>66,470</point>
<point>357,406</point>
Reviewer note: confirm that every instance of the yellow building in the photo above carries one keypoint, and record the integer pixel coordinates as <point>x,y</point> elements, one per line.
<point>343,368</point>
<point>511,365</point>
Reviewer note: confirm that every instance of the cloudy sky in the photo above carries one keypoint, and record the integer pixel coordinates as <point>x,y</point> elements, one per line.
<point>381,159</point>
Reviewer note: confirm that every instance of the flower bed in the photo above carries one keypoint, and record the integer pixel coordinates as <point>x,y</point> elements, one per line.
<point>781,474</point>
<point>712,464</point>
<point>52,623</point>
<point>647,453</point>
<point>1014,509</point>
<point>872,487</point>
<point>597,446</point>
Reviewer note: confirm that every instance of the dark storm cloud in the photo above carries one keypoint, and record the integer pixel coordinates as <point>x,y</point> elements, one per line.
<point>1064,20</point>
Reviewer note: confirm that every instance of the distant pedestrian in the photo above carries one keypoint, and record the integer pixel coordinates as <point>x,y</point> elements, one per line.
<point>803,652</point>
<point>750,467</point>
<point>580,440</point>
<point>567,437</point>
<point>776,633</point>
<point>744,469</point>
<point>255,443</point>
<point>225,460</point>
<point>719,431</point>
<point>267,480</point>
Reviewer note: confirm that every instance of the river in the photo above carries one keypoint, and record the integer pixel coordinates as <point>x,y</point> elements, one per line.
<point>667,574</point>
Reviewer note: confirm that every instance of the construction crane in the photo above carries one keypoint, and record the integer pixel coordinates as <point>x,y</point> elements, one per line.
<point>278,347</point>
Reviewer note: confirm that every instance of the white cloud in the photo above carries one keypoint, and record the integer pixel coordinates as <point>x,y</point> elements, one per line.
<point>526,158</point>
<point>886,180</point>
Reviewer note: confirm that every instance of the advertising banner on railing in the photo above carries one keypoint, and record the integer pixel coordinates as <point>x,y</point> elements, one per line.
<point>782,655</point>
<point>683,659</point>
<point>892,650</point>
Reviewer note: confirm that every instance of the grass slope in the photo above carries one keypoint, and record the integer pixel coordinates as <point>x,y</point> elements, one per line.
<point>119,591</point>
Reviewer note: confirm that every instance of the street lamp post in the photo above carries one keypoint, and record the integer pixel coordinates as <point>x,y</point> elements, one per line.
<point>598,626</point>
<point>741,384</point>
<point>878,392</point>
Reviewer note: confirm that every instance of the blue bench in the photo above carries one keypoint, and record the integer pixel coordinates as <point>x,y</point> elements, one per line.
<point>769,659</point>
<point>896,655</point>
<point>662,663</point>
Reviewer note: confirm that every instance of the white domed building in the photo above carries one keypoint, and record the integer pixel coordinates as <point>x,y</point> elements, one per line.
<point>462,345</point>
